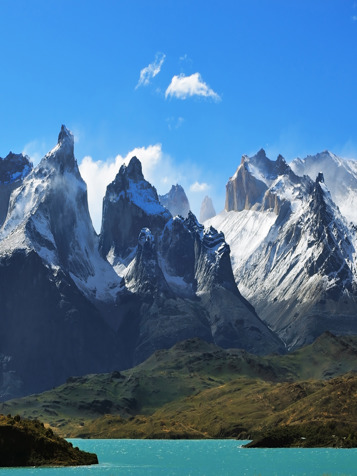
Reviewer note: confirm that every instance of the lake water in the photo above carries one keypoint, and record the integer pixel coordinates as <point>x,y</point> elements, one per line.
<point>200,458</point>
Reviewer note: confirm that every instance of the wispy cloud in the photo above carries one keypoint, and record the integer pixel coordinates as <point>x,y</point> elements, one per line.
<point>199,187</point>
<point>35,150</point>
<point>354,18</point>
<point>174,123</point>
<point>150,71</point>
<point>185,59</point>
<point>183,87</point>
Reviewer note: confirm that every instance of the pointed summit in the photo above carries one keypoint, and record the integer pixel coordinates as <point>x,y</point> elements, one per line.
<point>261,154</point>
<point>134,169</point>
<point>130,204</point>
<point>176,201</point>
<point>65,135</point>
<point>207,210</point>
<point>49,215</point>
<point>61,157</point>
<point>320,178</point>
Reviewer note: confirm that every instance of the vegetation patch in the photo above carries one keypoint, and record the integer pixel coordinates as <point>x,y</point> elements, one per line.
<point>197,390</point>
<point>313,435</point>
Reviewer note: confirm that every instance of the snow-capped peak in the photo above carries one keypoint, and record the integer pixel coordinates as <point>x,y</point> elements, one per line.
<point>340,176</point>
<point>130,184</point>
<point>65,135</point>
<point>49,214</point>
<point>261,184</point>
<point>61,157</point>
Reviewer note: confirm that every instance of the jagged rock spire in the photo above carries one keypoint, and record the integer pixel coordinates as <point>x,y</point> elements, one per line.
<point>130,204</point>
<point>61,157</point>
<point>207,210</point>
<point>320,178</point>
<point>176,201</point>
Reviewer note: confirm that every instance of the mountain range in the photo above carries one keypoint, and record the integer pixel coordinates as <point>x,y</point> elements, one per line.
<point>293,250</point>
<point>73,302</point>
<point>280,270</point>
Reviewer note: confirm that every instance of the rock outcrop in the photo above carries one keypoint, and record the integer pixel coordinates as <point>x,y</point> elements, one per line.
<point>13,170</point>
<point>28,443</point>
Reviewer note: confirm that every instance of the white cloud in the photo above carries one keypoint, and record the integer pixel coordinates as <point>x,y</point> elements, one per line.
<point>199,187</point>
<point>354,18</point>
<point>183,87</point>
<point>150,71</point>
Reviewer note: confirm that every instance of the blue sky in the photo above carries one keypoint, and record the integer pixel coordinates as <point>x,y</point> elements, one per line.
<point>190,85</point>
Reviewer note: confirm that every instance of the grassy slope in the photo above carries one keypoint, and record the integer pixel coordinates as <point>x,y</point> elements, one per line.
<point>242,408</point>
<point>196,390</point>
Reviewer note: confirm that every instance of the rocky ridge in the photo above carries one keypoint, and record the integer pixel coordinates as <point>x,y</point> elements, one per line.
<point>179,276</point>
<point>293,253</point>
<point>13,169</point>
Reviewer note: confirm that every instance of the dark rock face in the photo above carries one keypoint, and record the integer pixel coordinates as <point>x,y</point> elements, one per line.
<point>176,201</point>
<point>145,271</point>
<point>207,210</point>
<point>50,326</point>
<point>130,204</point>
<point>13,169</point>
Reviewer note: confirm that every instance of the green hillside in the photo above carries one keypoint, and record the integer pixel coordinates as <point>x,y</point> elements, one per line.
<point>196,390</point>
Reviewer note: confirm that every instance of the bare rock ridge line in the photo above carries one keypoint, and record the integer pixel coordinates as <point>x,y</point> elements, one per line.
<point>13,169</point>
<point>73,303</point>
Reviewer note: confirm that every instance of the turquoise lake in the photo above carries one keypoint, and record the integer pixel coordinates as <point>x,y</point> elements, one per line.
<point>200,458</point>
